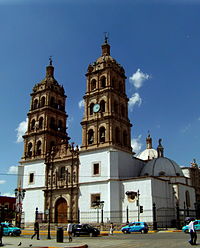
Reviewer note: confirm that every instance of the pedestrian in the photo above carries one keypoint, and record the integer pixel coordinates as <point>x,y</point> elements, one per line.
<point>36,230</point>
<point>69,230</point>
<point>1,234</point>
<point>111,228</point>
<point>193,233</point>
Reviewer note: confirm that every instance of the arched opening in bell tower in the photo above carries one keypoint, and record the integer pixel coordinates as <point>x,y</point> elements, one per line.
<point>30,149</point>
<point>90,137</point>
<point>102,134</point>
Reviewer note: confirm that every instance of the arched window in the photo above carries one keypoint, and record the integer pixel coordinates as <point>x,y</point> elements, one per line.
<point>103,82</point>
<point>102,134</point>
<point>113,83</point>
<point>124,138</point>
<point>59,125</point>
<point>161,173</point>
<point>35,104</point>
<point>93,84</point>
<point>115,107</point>
<point>121,88</point>
<point>41,123</point>
<point>38,148</point>
<point>90,137</point>
<point>52,123</point>
<point>52,143</point>
<point>187,198</point>
<point>42,101</point>
<point>117,135</point>
<point>52,102</point>
<point>122,111</point>
<point>30,150</point>
<point>33,124</point>
<point>91,108</point>
<point>60,105</point>
<point>62,172</point>
<point>102,106</point>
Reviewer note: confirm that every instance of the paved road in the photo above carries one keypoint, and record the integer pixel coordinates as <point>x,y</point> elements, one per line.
<point>153,240</point>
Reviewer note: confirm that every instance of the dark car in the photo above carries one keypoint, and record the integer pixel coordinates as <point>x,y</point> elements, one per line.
<point>138,226</point>
<point>85,229</point>
<point>10,230</point>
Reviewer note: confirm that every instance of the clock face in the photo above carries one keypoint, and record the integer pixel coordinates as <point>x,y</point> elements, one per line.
<point>96,108</point>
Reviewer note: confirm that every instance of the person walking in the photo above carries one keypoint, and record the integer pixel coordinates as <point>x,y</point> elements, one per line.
<point>1,234</point>
<point>69,230</point>
<point>111,228</point>
<point>193,233</point>
<point>36,230</point>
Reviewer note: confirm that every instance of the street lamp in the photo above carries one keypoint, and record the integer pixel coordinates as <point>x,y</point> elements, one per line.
<point>19,194</point>
<point>74,176</point>
<point>47,212</point>
<point>101,203</point>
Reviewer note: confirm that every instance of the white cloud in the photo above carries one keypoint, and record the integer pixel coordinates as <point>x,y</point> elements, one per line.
<point>81,104</point>
<point>186,128</point>
<point>69,121</point>
<point>136,144</point>
<point>138,78</point>
<point>2,181</point>
<point>134,100</point>
<point>13,169</point>
<point>8,194</point>
<point>21,129</point>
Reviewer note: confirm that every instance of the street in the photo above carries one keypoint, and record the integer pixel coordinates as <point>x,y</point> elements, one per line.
<point>153,240</point>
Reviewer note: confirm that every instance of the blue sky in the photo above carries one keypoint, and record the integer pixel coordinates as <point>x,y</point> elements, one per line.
<point>157,42</point>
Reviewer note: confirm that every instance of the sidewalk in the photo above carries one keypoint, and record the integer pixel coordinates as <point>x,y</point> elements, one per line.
<point>16,242</point>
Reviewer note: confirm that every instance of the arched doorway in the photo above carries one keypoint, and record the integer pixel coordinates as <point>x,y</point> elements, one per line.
<point>61,211</point>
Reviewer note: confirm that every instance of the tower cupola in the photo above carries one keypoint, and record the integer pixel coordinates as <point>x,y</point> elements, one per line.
<point>149,142</point>
<point>50,69</point>
<point>105,47</point>
<point>160,149</point>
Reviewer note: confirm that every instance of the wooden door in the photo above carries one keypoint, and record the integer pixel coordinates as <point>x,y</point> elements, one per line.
<point>61,211</point>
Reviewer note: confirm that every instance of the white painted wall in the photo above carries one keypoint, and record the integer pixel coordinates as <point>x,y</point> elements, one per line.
<point>114,164</point>
<point>34,196</point>
<point>182,198</point>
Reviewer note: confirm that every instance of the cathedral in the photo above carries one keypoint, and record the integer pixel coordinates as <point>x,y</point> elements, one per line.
<point>101,181</point>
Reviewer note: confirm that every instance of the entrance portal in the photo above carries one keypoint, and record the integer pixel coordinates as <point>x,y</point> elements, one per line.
<point>61,211</point>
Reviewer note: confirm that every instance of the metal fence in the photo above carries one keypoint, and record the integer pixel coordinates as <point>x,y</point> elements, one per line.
<point>155,217</point>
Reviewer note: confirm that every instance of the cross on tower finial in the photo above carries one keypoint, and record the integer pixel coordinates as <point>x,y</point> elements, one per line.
<point>106,37</point>
<point>50,60</point>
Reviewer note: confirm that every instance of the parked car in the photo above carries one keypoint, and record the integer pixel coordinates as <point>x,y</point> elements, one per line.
<point>196,226</point>
<point>84,229</point>
<point>138,226</point>
<point>10,230</point>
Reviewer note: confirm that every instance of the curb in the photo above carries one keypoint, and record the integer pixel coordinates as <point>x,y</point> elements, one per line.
<point>82,246</point>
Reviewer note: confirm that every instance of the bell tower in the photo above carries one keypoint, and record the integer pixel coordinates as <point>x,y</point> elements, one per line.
<point>105,122</point>
<point>46,117</point>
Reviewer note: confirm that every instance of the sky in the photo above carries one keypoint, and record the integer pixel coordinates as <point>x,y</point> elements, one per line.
<point>157,43</point>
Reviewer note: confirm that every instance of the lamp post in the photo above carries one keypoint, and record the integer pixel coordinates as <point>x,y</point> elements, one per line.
<point>101,203</point>
<point>138,204</point>
<point>19,194</point>
<point>74,177</point>
<point>49,228</point>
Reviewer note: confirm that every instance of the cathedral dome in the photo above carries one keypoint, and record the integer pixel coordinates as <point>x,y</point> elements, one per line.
<point>161,166</point>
